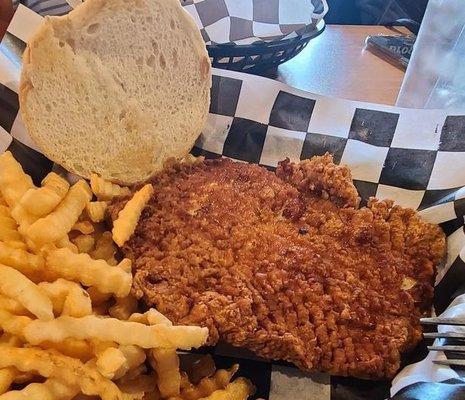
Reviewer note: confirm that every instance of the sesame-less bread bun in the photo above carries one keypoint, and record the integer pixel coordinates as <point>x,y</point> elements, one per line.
<point>116,87</point>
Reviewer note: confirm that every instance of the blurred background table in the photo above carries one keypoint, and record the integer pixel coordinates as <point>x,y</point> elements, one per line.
<point>336,64</point>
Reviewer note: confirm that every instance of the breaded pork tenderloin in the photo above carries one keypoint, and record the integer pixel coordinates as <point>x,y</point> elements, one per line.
<point>287,264</point>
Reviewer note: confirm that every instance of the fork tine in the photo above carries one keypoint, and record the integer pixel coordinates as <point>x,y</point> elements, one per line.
<point>450,335</point>
<point>443,321</point>
<point>459,363</point>
<point>457,349</point>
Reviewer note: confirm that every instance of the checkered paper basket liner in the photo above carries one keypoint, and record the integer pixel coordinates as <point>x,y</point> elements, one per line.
<point>414,156</point>
<point>248,21</point>
<point>229,21</point>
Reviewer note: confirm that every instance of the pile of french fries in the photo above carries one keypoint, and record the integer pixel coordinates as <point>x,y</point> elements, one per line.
<point>69,326</point>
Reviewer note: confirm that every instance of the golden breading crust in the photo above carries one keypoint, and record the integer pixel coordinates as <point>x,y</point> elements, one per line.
<point>286,264</point>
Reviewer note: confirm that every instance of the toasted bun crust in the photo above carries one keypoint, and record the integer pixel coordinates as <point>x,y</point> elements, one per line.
<point>116,87</point>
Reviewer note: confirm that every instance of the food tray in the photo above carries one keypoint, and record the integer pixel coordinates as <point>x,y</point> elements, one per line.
<point>261,121</point>
<point>256,35</point>
<point>261,56</point>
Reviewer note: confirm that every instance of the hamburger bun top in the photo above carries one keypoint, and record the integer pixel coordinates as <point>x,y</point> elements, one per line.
<point>116,87</point>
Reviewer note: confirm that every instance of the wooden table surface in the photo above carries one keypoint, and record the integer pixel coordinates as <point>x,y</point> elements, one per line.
<point>336,64</point>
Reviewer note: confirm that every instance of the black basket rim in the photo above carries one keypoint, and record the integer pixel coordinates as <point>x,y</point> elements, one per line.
<point>276,45</point>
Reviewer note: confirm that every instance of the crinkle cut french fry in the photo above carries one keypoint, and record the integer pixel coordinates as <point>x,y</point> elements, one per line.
<point>77,303</point>
<point>13,181</point>
<point>5,210</point>
<point>23,218</point>
<point>13,324</point>
<point>56,293</point>
<point>122,332</point>
<point>81,396</point>
<point>105,190</point>
<point>68,298</point>
<point>8,223</point>
<point>126,265</point>
<point>84,243</point>
<point>104,248</point>
<point>65,243</point>
<point>60,221</point>
<point>114,262</point>
<point>56,183</point>
<point>109,362</point>
<point>125,225</point>
<point>240,389</point>
<point>166,364</point>
<point>150,317</point>
<point>134,355</point>
<point>155,395</point>
<point>220,379</point>
<point>80,349</point>
<point>114,362</point>
<point>42,201</point>
<point>139,318</point>
<point>39,202</point>
<point>12,221</point>
<point>82,268</point>
<point>134,373</point>
<point>51,389</point>
<point>51,364</point>
<point>96,210</point>
<point>7,377</point>
<point>85,227</point>
<point>9,235</point>
<point>16,285</point>
<point>154,317</point>
<point>97,297</point>
<point>15,244</point>
<point>12,306</point>
<point>7,339</point>
<point>100,346</point>
<point>124,307</point>
<point>29,264</point>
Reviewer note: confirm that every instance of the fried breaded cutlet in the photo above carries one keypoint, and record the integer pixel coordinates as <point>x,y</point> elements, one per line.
<point>287,264</point>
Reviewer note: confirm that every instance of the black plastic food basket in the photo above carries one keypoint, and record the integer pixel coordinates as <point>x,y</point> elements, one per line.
<point>260,56</point>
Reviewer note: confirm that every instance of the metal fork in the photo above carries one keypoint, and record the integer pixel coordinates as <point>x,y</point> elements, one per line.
<point>446,335</point>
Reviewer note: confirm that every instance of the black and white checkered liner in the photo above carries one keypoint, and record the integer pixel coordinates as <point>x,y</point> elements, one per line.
<point>48,7</point>
<point>416,157</point>
<point>248,21</point>
<point>229,21</point>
